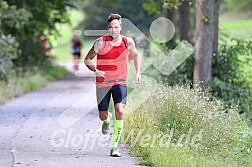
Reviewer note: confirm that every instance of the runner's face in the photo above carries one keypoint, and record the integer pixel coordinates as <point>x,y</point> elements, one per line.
<point>114,28</point>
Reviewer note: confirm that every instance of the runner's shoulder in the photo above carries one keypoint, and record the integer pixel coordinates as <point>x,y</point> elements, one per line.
<point>98,44</point>
<point>130,41</point>
<point>98,41</point>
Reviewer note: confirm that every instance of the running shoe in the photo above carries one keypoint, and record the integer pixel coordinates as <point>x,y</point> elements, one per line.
<point>114,152</point>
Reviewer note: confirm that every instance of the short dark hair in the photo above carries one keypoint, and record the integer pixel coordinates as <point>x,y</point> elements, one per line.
<point>114,16</point>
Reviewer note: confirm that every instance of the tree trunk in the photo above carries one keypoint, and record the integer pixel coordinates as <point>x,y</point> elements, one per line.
<point>185,26</point>
<point>216,27</point>
<point>204,42</point>
<point>170,14</point>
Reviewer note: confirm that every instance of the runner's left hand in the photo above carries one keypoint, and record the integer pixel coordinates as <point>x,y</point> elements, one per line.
<point>138,78</point>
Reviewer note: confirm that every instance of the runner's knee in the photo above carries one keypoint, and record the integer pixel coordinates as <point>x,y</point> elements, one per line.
<point>119,109</point>
<point>103,115</point>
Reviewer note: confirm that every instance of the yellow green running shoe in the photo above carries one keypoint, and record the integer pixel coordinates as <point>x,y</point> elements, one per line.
<point>114,152</point>
<point>105,127</point>
<point>105,124</point>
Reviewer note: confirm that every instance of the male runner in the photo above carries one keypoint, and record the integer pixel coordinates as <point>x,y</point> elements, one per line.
<point>112,51</point>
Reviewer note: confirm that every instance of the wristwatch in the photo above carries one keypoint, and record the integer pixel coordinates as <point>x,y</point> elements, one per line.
<point>95,70</point>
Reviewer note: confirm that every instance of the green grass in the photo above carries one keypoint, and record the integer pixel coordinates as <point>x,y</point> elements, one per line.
<point>54,73</point>
<point>203,134</point>
<point>237,29</point>
<point>29,81</point>
<point>236,25</point>
<point>33,82</point>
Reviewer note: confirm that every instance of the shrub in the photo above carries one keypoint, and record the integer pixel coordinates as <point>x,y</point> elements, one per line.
<point>230,83</point>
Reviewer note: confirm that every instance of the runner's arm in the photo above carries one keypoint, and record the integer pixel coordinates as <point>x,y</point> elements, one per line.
<point>90,55</point>
<point>136,57</point>
<point>88,59</point>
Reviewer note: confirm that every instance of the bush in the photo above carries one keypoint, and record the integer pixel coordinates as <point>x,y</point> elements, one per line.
<point>10,19</point>
<point>230,83</point>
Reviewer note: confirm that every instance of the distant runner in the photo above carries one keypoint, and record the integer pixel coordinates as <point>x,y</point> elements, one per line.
<point>76,45</point>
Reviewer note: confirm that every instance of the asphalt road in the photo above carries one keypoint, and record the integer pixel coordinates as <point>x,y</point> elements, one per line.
<point>57,126</point>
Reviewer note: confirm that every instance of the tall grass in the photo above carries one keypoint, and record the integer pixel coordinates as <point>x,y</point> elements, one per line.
<point>182,127</point>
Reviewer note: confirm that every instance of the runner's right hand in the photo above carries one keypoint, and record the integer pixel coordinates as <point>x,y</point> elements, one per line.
<point>99,73</point>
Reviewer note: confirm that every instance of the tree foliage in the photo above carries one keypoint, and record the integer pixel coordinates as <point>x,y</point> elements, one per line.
<point>22,24</point>
<point>153,7</point>
<point>157,6</point>
<point>11,18</point>
<point>97,12</point>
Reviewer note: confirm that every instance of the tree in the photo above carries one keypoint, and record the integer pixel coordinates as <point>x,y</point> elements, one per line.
<point>205,32</point>
<point>11,18</point>
<point>179,12</point>
<point>185,25</point>
<point>97,12</point>
<point>216,27</point>
<point>43,15</point>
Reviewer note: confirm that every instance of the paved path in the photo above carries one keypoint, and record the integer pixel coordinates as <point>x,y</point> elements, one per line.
<point>33,133</point>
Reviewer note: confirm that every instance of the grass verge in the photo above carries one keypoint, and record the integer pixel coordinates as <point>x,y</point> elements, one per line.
<point>29,81</point>
<point>182,127</point>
